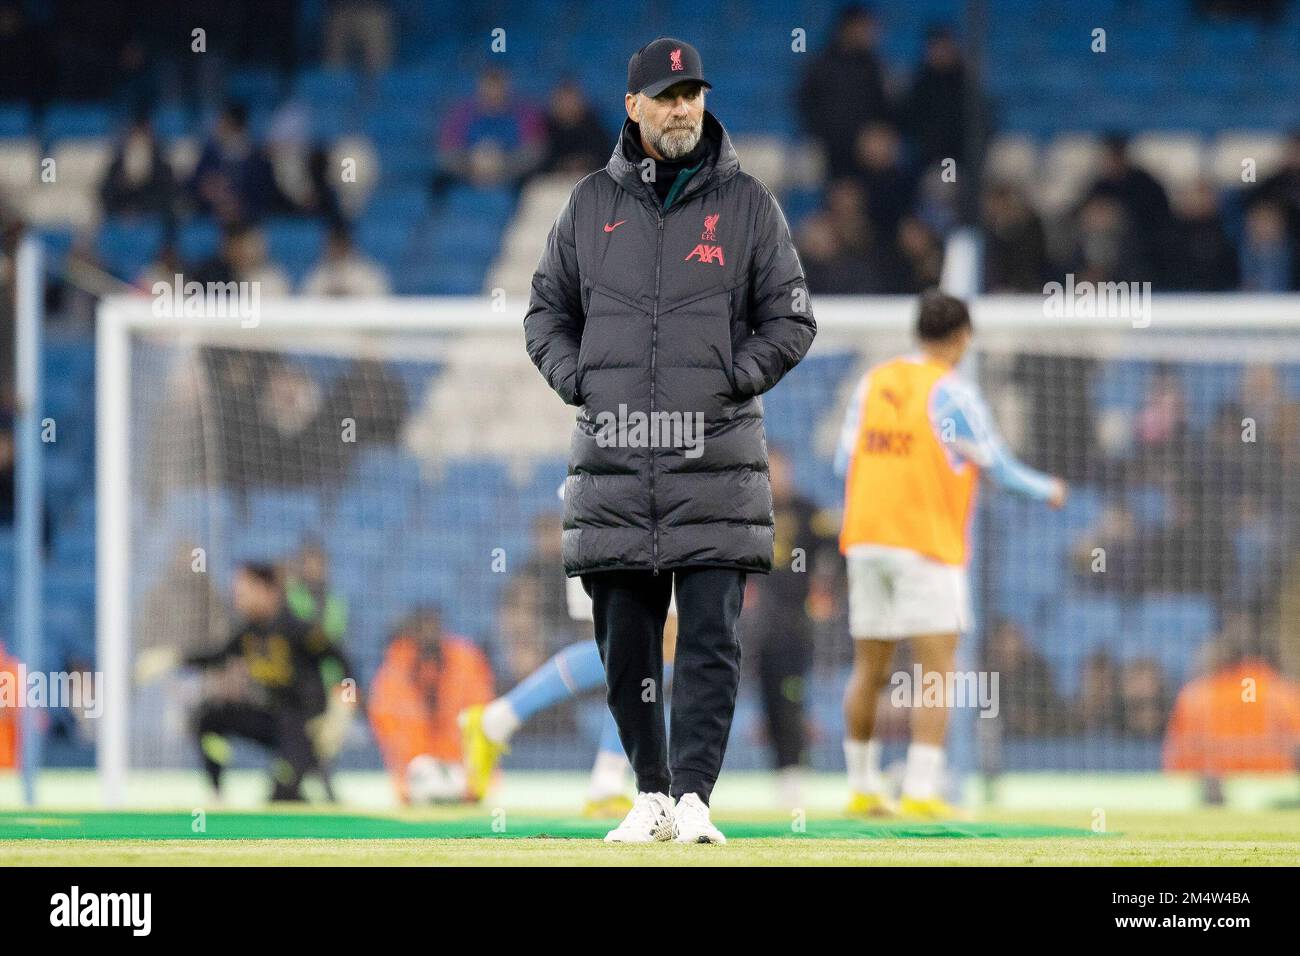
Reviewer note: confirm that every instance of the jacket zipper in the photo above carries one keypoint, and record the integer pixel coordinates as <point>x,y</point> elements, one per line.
<point>654,351</point>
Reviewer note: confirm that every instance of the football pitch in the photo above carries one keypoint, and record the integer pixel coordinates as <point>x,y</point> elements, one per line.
<point>511,832</point>
<point>467,838</point>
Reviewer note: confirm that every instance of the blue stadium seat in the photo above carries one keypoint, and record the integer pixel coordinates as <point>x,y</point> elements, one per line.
<point>398,203</point>
<point>15,120</point>
<point>330,89</point>
<point>198,242</point>
<point>65,120</point>
<point>384,242</point>
<point>171,121</point>
<point>468,205</point>
<point>295,244</point>
<point>296,510</point>
<point>126,246</point>
<point>1077,627</point>
<point>254,85</point>
<point>1170,628</point>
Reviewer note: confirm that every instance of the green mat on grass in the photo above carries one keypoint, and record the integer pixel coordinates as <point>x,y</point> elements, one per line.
<point>44,825</point>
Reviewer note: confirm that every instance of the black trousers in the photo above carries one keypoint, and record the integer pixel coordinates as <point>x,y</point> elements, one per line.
<point>630,610</point>
<point>282,731</point>
<point>784,658</point>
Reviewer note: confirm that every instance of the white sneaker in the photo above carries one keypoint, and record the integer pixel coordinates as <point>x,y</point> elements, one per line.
<point>691,823</point>
<point>649,821</point>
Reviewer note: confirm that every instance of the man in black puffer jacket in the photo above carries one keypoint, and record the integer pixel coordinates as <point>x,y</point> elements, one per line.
<point>669,298</point>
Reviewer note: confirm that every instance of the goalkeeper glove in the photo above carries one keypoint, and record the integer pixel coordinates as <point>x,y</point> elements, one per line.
<point>154,662</point>
<point>330,729</point>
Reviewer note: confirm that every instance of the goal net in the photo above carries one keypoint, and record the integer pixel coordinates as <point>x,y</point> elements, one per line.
<point>413,443</point>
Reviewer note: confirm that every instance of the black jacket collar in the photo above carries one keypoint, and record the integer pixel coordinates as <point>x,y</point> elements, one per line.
<point>720,164</point>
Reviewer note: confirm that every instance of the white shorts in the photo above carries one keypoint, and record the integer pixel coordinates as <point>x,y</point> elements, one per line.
<point>580,605</point>
<point>896,593</point>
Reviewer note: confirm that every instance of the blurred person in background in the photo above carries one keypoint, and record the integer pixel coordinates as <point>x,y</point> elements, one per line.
<point>881,267</point>
<point>139,181</point>
<point>427,677</point>
<point>1143,699</point>
<point>843,89</point>
<point>310,599</point>
<point>1242,716</point>
<point>923,252</point>
<point>537,603</point>
<point>10,731</point>
<point>576,140</point>
<point>1201,256</point>
<point>344,271</point>
<point>242,257</point>
<point>916,439</point>
<point>776,624</point>
<point>1108,246</point>
<point>1267,253</point>
<point>1140,196</point>
<point>359,31</point>
<point>282,654</point>
<point>490,140</point>
<point>1015,244</point>
<point>828,264</point>
<point>1283,189</point>
<point>935,106</point>
<point>1160,429</point>
<point>308,594</point>
<point>319,197</point>
<point>1029,704</point>
<point>1100,701</point>
<point>889,184</point>
<point>233,179</point>
<point>27,67</point>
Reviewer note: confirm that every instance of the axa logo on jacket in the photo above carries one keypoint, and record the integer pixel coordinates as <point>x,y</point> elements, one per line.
<point>705,250</point>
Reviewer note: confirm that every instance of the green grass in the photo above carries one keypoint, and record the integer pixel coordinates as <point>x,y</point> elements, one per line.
<point>1025,820</point>
<point>1195,838</point>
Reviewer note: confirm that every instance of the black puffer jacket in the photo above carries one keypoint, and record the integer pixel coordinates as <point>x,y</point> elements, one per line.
<point>670,319</point>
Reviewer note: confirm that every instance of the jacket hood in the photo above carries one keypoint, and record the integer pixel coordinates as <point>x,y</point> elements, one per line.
<point>721,165</point>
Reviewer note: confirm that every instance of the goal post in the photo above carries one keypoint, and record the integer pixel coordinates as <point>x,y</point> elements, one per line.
<point>202,439</point>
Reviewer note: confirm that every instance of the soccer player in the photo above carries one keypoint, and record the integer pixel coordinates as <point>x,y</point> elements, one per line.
<point>914,442</point>
<point>282,653</point>
<point>576,669</point>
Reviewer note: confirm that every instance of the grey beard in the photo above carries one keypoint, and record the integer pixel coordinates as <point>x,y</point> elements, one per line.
<point>674,144</point>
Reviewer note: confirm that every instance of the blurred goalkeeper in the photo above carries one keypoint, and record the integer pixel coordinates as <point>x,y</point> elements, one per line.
<point>915,440</point>
<point>302,721</point>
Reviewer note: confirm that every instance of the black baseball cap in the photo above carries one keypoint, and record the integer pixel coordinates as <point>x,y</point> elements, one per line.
<point>661,63</point>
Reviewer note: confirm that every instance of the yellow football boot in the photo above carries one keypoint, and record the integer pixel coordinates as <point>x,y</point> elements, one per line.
<point>608,808</point>
<point>480,754</point>
<point>931,808</point>
<point>869,805</point>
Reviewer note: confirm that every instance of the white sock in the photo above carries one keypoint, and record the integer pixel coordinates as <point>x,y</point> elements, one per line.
<point>862,757</point>
<point>499,721</point>
<point>924,765</point>
<point>789,784</point>
<point>608,776</point>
